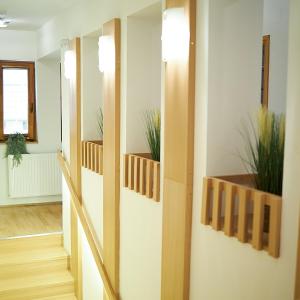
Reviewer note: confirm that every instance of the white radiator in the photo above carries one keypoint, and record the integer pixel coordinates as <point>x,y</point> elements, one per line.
<point>37,175</point>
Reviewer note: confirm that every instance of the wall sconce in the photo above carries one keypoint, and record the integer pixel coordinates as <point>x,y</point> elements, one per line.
<point>69,64</point>
<point>106,53</point>
<point>175,35</point>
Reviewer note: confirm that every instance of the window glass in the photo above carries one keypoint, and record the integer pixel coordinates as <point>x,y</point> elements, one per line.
<point>15,100</point>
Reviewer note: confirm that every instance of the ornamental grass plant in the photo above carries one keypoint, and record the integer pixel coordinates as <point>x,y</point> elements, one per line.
<point>265,151</point>
<point>100,122</point>
<point>152,122</point>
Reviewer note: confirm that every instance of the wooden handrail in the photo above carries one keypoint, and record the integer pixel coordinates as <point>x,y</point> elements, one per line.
<point>92,241</point>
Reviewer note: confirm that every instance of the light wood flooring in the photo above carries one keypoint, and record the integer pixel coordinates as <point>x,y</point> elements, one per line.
<point>30,220</point>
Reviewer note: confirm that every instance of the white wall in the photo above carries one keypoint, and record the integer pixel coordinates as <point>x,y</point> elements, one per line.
<point>22,45</point>
<point>228,86</point>
<point>80,22</point>
<point>234,78</point>
<point>276,14</point>
<point>66,197</point>
<point>143,75</point>
<point>222,267</point>
<point>92,198</point>
<point>92,288</point>
<point>140,217</point>
<point>92,92</point>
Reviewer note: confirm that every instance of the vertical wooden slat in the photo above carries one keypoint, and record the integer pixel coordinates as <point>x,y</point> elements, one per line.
<point>82,153</point>
<point>143,176</point>
<point>217,205</point>
<point>92,157</point>
<point>131,172</point>
<point>243,195</point>
<point>275,226</point>
<point>88,165</point>
<point>207,183</point>
<point>136,177</point>
<point>126,169</point>
<point>258,220</point>
<point>85,154</point>
<point>149,179</point>
<point>96,158</point>
<point>101,160</point>
<point>156,182</point>
<point>230,191</point>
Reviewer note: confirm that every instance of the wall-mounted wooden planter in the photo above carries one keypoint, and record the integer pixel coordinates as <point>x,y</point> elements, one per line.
<point>142,175</point>
<point>92,156</point>
<point>239,210</point>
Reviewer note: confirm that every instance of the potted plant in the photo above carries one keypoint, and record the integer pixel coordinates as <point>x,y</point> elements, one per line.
<point>152,121</point>
<point>16,146</point>
<point>265,154</point>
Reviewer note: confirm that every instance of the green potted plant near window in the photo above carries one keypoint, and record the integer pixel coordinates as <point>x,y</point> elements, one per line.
<point>16,146</point>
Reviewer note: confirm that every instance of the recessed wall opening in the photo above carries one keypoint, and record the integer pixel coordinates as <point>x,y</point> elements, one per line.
<point>245,75</point>
<point>143,74</point>
<point>92,94</point>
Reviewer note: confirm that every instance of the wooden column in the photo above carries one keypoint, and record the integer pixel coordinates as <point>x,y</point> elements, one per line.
<point>111,158</point>
<point>75,166</point>
<point>179,161</point>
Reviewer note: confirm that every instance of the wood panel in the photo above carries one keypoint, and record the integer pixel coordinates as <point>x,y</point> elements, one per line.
<point>178,164</point>
<point>142,175</point>
<point>265,71</point>
<point>92,156</point>
<point>248,214</point>
<point>75,166</point>
<point>111,158</point>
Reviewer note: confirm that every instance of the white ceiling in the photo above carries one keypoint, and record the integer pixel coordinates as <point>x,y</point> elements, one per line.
<point>32,14</point>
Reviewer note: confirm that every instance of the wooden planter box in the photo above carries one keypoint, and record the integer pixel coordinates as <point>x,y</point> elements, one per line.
<point>92,156</point>
<point>142,175</point>
<point>231,205</point>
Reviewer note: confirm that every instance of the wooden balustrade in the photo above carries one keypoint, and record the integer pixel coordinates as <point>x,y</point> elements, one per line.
<point>240,211</point>
<point>92,156</point>
<point>142,175</point>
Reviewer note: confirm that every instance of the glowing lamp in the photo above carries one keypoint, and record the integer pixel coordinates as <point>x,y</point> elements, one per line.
<point>106,53</point>
<point>175,35</point>
<point>70,64</point>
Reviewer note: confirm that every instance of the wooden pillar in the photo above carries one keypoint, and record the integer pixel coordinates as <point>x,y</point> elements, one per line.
<point>179,161</point>
<point>75,167</point>
<point>111,158</point>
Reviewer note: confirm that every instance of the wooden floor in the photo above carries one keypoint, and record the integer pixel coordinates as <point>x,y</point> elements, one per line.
<point>30,220</point>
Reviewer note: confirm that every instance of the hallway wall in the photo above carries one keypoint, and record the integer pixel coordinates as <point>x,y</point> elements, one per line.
<point>228,89</point>
<point>22,45</point>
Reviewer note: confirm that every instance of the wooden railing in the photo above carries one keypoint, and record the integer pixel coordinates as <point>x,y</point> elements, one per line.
<point>142,175</point>
<point>251,215</point>
<point>92,156</point>
<point>88,230</point>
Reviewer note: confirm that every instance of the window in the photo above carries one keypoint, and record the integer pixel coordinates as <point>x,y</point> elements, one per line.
<point>17,99</point>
